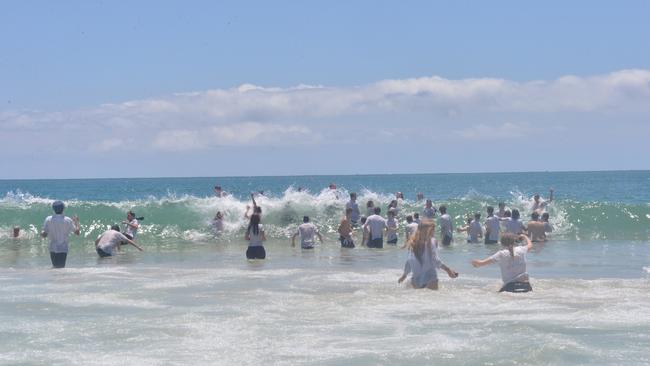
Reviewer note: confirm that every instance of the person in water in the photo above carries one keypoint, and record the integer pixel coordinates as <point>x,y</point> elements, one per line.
<point>423,259</point>
<point>255,236</point>
<point>539,204</point>
<point>376,226</point>
<point>473,229</point>
<point>446,227</point>
<point>307,231</point>
<point>352,204</point>
<point>257,210</point>
<point>410,229</point>
<point>131,225</point>
<point>492,227</point>
<point>512,224</point>
<point>429,212</point>
<point>535,228</point>
<point>58,228</point>
<point>217,223</point>
<point>110,240</point>
<point>345,229</point>
<point>391,227</point>
<point>512,261</point>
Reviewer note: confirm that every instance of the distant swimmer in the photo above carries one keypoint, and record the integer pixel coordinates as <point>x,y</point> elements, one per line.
<point>410,229</point>
<point>393,205</point>
<point>548,227</point>
<point>535,228</point>
<point>419,196</point>
<point>512,262</point>
<point>376,226</point>
<point>306,231</point>
<point>492,227</point>
<point>416,218</point>
<point>15,233</point>
<point>255,236</point>
<point>502,210</point>
<point>110,240</point>
<point>391,227</point>
<point>423,259</point>
<point>354,206</point>
<point>446,227</point>
<point>473,229</point>
<point>332,186</point>
<point>345,229</point>
<point>512,225</point>
<point>131,225</point>
<point>219,192</point>
<point>217,223</point>
<point>539,204</point>
<point>57,228</point>
<point>429,212</point>
<point>370,208</point>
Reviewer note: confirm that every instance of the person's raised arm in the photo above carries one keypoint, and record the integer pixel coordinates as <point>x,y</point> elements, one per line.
<point>480,263</point>
<point>550,198</point>
<point>529,243</point>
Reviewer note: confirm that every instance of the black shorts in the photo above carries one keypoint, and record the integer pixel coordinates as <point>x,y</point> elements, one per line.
<point>256,252</point>
<point>102,253</point>
<point>346,243</point>
<point>58,259</point>
<point>392,242</point>
<point>446,240</point>
<point>376,243</point>
<point>516,287</point>
<point>488,241</point>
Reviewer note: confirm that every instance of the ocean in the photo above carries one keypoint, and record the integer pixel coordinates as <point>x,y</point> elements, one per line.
<point>192,297</point>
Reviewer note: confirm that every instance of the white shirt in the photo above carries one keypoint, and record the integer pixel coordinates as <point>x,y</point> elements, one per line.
<point>131,231</point>
<point>445,225</point>
<point>355,210</point>
<point>425,271</point>
<point>411,229</point>
<point>307,231</point>
<point>541,205</point>
<point>513,226</point>
<point>376,224</point>
<point>256,240</point>
<point>475,230</point>
<point>109,240</point>
<point>58,228</point>
<point>493,226</point>
<point>512,268</point>
<point>429,212</point>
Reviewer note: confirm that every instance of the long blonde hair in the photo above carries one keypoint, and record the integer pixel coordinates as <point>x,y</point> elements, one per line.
<point>421,240</point>
<point>508,240</point>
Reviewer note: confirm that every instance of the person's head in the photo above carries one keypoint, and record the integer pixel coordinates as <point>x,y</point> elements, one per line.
<point>420,196</point>
<point>393,203</point>
<point>362,219</point>
<point>422,238</point>
<point>535,216</point>
<point>353,196</point>
<point>130,215</point>
<point>536,197</point>
<point>490,211</point>
<point>443,209</point>
<point>115,227</point>
<point>399,195</point>
<point>305,219</point>
<point>515,214</point>
<point>16,231</point>
<point>257,210</point>
<point>217,188</point>
<point>370,203</point>
<point>508,240</point>
<point>219,215</point>
<point>416,216</point>
<point>507,213</point>
<point>545,216</point>
<point>332,186</point>
<point>502,206</point>
<point>428,204</point>
<point>348,212</point>
<point>58,207</point>
<point>377,210</point>
<point>477,216</point>
<point>409,219</point>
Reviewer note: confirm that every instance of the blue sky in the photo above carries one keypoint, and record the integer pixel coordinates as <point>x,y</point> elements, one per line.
<point>170,88</point>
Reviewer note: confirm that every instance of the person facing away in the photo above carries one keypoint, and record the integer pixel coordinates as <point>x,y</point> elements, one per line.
<point>492,227</point>
<point>536,228</point>
<point>307,231</point>
<point>376,226</point>
<point>352,204</point>
<point>548,228</point>
<point>131,225</point>
<point>446,227</point>
<point>365,232</point>
<point>502,210</point>
<point>428,212</point>
<point>416,217</point>
<point>218,192</point>
<point>217,223</point>
<point>58,228</point>
<point>539,204</point>
<point>411,228</point>
<point>423,259</point>
<point>391,227</point>
<point>512,225</point>
<point>474,229</point>
<point>110,240</point>
<point>512,261</point>
<point>345,230</point>
<point>255,236</point>
<point>370,208</point>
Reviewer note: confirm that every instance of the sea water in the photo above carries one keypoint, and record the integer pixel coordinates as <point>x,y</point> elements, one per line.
<point>191,296</point>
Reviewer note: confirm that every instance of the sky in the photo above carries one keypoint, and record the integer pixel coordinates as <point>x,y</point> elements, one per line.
<point>94,89</point>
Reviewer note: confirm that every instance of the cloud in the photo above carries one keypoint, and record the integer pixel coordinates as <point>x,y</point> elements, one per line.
<point>506,130</point>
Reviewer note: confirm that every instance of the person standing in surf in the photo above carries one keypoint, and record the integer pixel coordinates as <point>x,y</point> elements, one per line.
<point>58,228</point>
<point>354,206</point>
<point>512,261</point>
<point>110,240</point>
<point>131,225</point>
<point>446,227</point>
<point>307,231</point>
<point>429,212</point>
<point>256,237</point>
<point>376,226</point>
<point>513,225</point>
<point>423,259</point>
<point>492,227</point>
<point>539,204</point>
<point>391,227</point>
<point>345,230</point>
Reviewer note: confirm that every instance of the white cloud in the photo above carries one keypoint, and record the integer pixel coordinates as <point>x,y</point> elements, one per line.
<point>506,130</point>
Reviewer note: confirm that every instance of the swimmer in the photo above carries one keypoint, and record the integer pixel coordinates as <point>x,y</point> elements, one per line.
<point>345,229</point>
<point>57,228</point>
<point>15,233</point>
<point>255,236</point>
<point>429,212</point>
<point>111,239</point>
<point>548,228</point>
<point>219,192</point>
<point>391,227</point>
<point>410,229</point>
<point>512,262</point>
<point>473,229</point>
<point>446,227</point>
<point>539,204</point>
<point>492,227</point>
<point>536,228</point>
<point>352,204</point>
<point>512,225</point>
<point>376,226</point>
<point>370,208</point>
<point>420,196</point>
<point>306,230</point>
<point>256,209</point>
<point>131,225</point>
<point>423,259</point>
<point>416,218</point>
<point>217,223</point>
<point>502,210</point>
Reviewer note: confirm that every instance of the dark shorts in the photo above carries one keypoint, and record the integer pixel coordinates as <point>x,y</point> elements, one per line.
<point>257,252</point>
<point>392,242</point>
<point>346,243</point>
<point>58,259</point>
<point>128,236</point>
<point>488,241</point>
<point>102,253</point>
<point>446,240</point>
<point>376,243</point>
<point>307,247</point>
<point>516,287</point>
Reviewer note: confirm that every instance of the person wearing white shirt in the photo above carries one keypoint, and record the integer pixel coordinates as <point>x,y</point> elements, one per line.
<point>58,228</point>
<point>110,240</point>
<point>475,230</point>
<point>307,231</point>
<point>446,227</point>
<point>131,225</point>
<point>411,228</point>
<point>513,225</point>
<point>512,261</point>
<point>539,204</point>
<point>391,224</point>
<point>376,226</point>
<point>492,227</point>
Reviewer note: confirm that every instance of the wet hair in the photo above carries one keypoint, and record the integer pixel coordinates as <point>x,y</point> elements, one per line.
<point>535,216</point>
<point>421,240</point>
<point>490,210</point>
<point>477,216</point>
<point>545,216</point>
<point>115,227</point>
<point>536,196</point>
<point>257,210</point>
<point>370,204</point>
<point>502,205</point>
<point>442,209</point>
<point>219,214</point>
<point>131,213</point>
<point>409,219</point>
<point>507,213</point>
<point>416,216</point>
<point>363,219</point>
<point>305,219</point>
<point>377,210</point>
<point>58,207</point>
<point>508,240</point>
<point>393,203</point>
<point>515,214</point>
<point>254,225</point>
<point>353,195</point>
